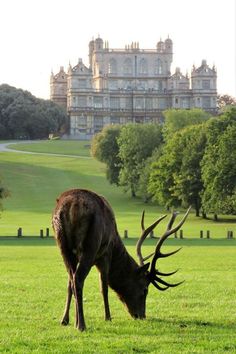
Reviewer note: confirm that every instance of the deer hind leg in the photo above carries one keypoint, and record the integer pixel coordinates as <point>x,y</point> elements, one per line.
<point>65,318</point>
<point>78,284</point>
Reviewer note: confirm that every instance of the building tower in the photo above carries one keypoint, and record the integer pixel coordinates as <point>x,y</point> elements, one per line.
<point>58,88</point>
<point>204,90</point>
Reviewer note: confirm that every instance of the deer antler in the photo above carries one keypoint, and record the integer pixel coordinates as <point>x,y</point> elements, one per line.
<point>145,233</point>
<point>153,274</point>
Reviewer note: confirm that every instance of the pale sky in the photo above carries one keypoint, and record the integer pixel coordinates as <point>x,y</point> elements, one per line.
<point>37,36</point>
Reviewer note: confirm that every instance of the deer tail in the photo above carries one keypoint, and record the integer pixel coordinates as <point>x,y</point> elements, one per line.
<point>60,229</point>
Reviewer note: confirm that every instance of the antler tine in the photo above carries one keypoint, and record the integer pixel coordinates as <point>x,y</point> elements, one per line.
<point>167,285</point>
<point>145,233</point>
<point>166,274</point>
<point>163,282</point>
<point>169,231</point>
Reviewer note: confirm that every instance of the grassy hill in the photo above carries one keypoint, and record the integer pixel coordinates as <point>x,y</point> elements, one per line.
<point>35,181</point>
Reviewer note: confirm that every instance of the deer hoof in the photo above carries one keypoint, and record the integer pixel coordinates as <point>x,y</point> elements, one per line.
<point>65,321</point>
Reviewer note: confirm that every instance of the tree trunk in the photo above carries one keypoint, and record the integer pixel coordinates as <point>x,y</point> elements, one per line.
<point>215,217</point>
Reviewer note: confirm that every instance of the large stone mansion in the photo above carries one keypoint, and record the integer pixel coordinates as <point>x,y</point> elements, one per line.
<point>129,85</point>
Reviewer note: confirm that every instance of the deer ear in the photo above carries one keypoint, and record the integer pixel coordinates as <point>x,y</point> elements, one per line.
<point>143,268</point>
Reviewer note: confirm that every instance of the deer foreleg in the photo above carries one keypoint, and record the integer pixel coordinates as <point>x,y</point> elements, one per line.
<point>104,290</point>
<point>65,318</point>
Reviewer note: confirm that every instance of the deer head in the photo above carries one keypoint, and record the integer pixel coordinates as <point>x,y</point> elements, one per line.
<point>153,275</point>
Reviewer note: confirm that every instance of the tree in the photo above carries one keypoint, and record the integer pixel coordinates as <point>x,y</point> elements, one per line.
<point>218,165</point>
<point>224,101</point>
<point>177,119</point>
<point>175,177</point>
<point>24,116</point>
<point>136,143</point>
<point>4,193</point>
<point>105,148</point>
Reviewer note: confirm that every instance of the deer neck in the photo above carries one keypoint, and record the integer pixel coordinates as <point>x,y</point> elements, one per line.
<point>122,268</point>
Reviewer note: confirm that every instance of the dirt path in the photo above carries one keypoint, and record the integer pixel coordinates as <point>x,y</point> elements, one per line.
<point>4,148</point>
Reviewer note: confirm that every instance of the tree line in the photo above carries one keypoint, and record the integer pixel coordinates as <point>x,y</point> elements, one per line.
<point>23,116</point>
<point>189,159</point>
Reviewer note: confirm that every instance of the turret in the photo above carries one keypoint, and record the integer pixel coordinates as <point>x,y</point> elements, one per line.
<point>91,50</point>
<point>98,44</point>
<point>168,45</point>
<point>160,46</point>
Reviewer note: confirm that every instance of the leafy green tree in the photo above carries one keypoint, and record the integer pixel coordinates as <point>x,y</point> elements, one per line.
<point>136,143</point>
<point>175,177</point>
<point>143,183</point>
<point>218,165</point>
<point>24,116</point>
<point>105,148</point>
<point>177,119</point>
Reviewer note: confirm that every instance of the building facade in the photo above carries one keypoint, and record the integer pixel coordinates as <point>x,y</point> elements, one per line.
<point>129,85</point>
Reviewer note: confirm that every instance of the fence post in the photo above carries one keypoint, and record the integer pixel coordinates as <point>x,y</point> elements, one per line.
<point>19,232</point>
<point>126,234</point>
<point>41,233</point>
<point>201,234</point>
<point>208,233</point>
<point>47,232</point>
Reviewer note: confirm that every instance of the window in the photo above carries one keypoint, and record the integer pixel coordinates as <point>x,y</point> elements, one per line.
<point>98,102</point>
<point>206,102</point>
<point>158,68</point>
<point>112,66</point>
<point>139,103</point>
<point>128,102</point>
<point>115,102</point>
<point>82,101</point>
<point>143,66</point>
<point>127,67</point>
<point>206,84</point>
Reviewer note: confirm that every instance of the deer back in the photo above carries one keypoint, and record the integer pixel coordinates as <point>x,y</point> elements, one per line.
<point>84,223</point>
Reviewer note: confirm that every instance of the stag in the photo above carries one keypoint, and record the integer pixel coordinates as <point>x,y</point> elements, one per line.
<point>86,233</point>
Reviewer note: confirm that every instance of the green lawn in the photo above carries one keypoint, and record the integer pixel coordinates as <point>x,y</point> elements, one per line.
<point>196,317</point>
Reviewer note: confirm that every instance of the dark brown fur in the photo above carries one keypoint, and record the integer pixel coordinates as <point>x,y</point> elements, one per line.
<point>86,233</point>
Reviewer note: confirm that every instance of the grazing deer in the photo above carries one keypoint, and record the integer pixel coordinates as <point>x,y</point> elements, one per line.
<point>86,233</point>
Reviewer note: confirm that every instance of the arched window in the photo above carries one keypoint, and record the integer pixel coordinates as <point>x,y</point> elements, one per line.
<point>127,67</point>
<point>112,66</point>
<point>143,66</point>
<point>158,67</point>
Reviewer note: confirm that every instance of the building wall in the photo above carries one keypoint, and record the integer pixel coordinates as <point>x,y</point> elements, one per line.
<point>129,85</point>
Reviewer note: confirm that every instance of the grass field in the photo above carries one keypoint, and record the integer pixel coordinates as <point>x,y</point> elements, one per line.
<point>197,317</point>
